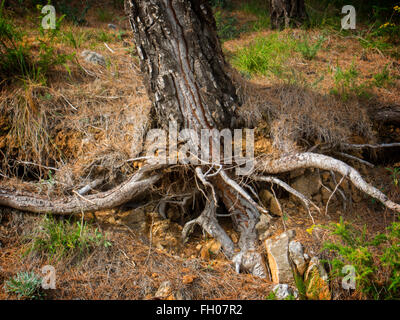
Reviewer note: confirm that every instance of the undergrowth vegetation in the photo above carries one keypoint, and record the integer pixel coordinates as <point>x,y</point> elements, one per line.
<point>58,239</point>
<point>28,61</point>
<point>376,260</point>
<point>264,56</point>
<point>25,285</point>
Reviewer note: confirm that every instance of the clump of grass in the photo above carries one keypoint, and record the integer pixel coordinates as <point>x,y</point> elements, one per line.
<point>382,78</point>
<point>309,51</point>
<point>26,285</point>
<point>346,83</point>
<point>264,56</point>
<point>59,239</point>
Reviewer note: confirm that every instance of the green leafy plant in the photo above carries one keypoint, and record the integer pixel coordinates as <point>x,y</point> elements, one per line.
<point>63,238</point>
<point>376,261</point>
<point>309,51</point>
<point>26,285</point>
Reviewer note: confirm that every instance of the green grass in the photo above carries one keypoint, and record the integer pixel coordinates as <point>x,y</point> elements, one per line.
<point>347,84</point>
<point>26,285</point>
<point>61,238</point>
<point>382,79</point>
<point>307,50</point>
<point>264,56</point>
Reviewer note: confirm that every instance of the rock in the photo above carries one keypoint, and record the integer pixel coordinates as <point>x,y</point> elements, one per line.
<point>112,26</point>
<point>263,227</point>
<point>325,176</point>
<point>307,184</point>
<point>275,208</point>
<point>164,291</point>
<point>296,173</point>
<point>282,291</point>
<point>278,257</point>
<point>265,197</point>
<point>317,198</point>
<point>296,253</point>
<point>316,281</point>
<point>136,220</point>
<point>94,57</point>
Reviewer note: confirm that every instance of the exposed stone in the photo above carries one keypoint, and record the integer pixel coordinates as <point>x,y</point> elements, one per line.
<point>265,197</point>
<point>166,234</point>
<point>325,176</point>
<point>94,57</point>
<point>283,291</point>
<point>296,173</point>
<point>296,253</point>
<point>274,207</point>
<point>278,257</point>
<point>136,220</point>
<point>317,198</point>
<point>307,184</point>
<point>112,26</point>
<point>316,281</point>
<point>263,227</point>
<point>164,291</point>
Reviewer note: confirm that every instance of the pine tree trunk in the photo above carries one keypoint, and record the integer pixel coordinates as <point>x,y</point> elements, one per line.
<point>182,59</point>
<point>285,13</point>
<point>188,82</point>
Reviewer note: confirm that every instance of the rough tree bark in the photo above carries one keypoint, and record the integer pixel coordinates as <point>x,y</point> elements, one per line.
<point>188,82</point>
<point>287,12</point>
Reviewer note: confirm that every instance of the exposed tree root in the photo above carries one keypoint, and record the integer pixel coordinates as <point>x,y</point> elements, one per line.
<point>208,221</point>
<point>307,160</point>
<point>125,192</point>
<point>243,210</point>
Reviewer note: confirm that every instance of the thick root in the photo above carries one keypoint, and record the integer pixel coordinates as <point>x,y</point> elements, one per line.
<point>307,160</point>
<point>125,192</point>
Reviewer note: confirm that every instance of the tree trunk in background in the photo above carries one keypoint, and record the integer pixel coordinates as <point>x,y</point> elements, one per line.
<point>182,59</point>
<point>285,13</point>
